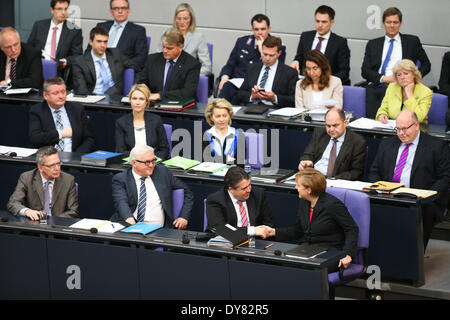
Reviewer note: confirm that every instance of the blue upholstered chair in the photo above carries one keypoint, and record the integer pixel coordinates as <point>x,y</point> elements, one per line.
<point>354,99</point>
<point>49,69</point>
<point>168,129</point>
<point>149,40</point>
<point>202,89</point>
<point>177,202</point>
<point>438,109</point>
<point>210,49</point>
<point>358,204</point>
<point>128,80</point>
<point>254,144</point>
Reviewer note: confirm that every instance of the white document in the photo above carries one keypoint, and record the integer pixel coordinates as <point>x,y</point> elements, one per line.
<point>17,91</point>
<point>237,81</point>
<point>287,112</point>
<point>84,99</point>
<point>347,184</point>
<point>323,103</point>
<point>236,109</point>
<point>125,100</point>
<point>21,152</point>
<point>318,111</point>
<point>366,123</point>
<point>209,167</point>
<point>104,226</point>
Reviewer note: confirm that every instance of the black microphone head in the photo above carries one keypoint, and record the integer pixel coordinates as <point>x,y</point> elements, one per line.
<point>13,154</point>
<point>4,219</point>
<point>277,252</point>
<point>93,230</point>
<point>185,238</point>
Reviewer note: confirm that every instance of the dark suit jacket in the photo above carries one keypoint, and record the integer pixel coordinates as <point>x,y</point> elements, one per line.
<point>125,197</point>
<point>70,42</point>
<point>411,49</point>
<point>154,131</point>
<point>283,85</point>
<point>183,79</point>
<point>331,225</point>
<point>132,42</point>
<point>28,68</point>
<point>220,209</point>
<point>243,55</point>
<point>29,193</point>
<point>350,161</point>
<point>430,168</point>
<point>337,53</point>
<point>444,79</point>
<point>84,76</point>
<point>42,129</point>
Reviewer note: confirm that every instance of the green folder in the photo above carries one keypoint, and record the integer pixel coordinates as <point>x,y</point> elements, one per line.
<point>180,162</point>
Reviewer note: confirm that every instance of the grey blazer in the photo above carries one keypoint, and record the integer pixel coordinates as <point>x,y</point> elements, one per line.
<point>29,193</point>
<point>304,97</point>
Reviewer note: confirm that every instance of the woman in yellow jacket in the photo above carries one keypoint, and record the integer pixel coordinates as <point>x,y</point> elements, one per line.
<point>407,92</point>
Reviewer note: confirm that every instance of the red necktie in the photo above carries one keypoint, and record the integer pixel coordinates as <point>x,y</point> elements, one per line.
<point>243,214</point>
<point>332,159</point>
<point>319,44</point>
<point>53,49</point>
<point>310,214</point>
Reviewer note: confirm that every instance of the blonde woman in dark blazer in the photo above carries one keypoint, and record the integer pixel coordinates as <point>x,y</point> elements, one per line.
<point>318,84</point>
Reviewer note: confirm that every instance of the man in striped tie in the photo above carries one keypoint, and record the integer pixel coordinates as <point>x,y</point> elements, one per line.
<point>418,161</point>
<point>239,204</point>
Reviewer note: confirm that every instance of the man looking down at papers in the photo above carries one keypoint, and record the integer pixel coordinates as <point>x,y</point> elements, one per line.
<point>143,193</point>
<point>335,150</point>
<point>417,160</point>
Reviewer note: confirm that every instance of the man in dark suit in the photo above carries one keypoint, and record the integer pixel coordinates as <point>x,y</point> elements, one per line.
<point>59,123</point>
<point>334,47</point>
<point>171,73</point>
<point>269,82</point>
<point>335,150</point>
<point>246,52</point>
<point>124,35</point>
<point>143,193</point>
<point>45,189</point>
<point>417,160</point>
<point>57,38</point>
<point>239,204</point>
<point>20,64</point>
<point>100,70</point>
<point>444,82</point>
<point>383,53</point>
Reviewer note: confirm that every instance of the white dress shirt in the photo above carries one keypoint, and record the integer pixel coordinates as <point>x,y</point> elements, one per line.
<point>48,43</point>
<point>395,56</point>
<point>154,212</point>
<point>250,229</point>
<point>324,44</point>
<point>322,164</point>
<point>99,84</point>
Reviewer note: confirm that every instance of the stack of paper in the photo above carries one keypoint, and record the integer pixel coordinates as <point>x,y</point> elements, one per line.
<point>209,167</point>
<point>286,113</point>
<point>180,162</point>
<point>365,123</point>
<point>20,152</point>
<point>101,225</point>
<point>84,98</point>
<point>347,184</point>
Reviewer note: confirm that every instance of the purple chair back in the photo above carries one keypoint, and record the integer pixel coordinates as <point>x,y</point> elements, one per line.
<point>205,218</point>
<point>354,99</point>
<point>254,144</point>
<point>168,129</point>
<point>202,89</point>
<point>149,40</point>
<point>128,80</point>
<point>210,49</point>
<point>177,202</point>
<point>49,69</point>
<point>438,109</point>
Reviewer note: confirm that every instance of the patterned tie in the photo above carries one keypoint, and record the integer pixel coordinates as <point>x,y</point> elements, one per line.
<point>319,44</point>
<point>59,127</point>
<point>12,72</point>
<point>47,201</point>
<point>262,83</point>
<point>53,49</point>
<point>243,213</point>
<point>400,164</point>
<point>169,71</point>
<point>142,203</point>
<point>332,159</point>
<point>388,57</point>
<point>103,75</point>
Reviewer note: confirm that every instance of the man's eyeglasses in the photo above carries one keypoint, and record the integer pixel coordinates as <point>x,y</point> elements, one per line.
<point>404,129</point>
<point>53,165</point>
<point>148,162</point>
<point>119,8</point>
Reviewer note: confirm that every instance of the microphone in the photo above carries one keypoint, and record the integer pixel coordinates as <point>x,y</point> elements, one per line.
<point>9,153</point>
<point>93,230</point>
<point>277,252</point>
<point>185,238</point>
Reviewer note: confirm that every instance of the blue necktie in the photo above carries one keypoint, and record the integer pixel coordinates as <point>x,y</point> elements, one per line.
<point>103,75</point>
<point>169,71</point>
<point>262,83</point>
<point>59,127</point>
<point>142,203</point>
<point>388,57</point>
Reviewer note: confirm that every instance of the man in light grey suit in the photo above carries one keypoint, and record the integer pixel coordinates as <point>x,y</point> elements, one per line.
<point>45,189</point>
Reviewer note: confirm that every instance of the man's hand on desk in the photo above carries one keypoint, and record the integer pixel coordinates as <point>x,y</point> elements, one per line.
<point>305,164</point>
<point>34,214</point>
<point>130,220</point>
<point>180,223</point>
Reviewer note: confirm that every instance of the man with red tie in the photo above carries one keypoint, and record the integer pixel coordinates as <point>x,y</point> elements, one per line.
<point>239,204</point>
<point>417,160</point>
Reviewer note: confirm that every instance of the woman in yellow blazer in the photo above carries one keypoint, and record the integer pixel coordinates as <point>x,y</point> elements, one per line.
<point>407,92</point>
<point>318,84</point>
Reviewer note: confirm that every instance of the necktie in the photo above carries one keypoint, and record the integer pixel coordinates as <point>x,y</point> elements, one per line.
<point>53,49</point>
<point>113,35</point>
<point>59,127</point>
<point>262,83</point>
<point>243,214</point>
<point>319,44</point>
<point>388,57</point>
<point>47,200</point>
<point>311,210</point>
<point>332,159</point>
<point>12,72</point>
<point>142,203</point>
<point>169,71</point>
<point>103,75</point>
<point>400,164</point>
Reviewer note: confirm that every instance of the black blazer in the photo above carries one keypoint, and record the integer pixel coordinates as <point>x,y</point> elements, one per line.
<point>220,209</point>
<point>337,53</point>
<point>283,85</point>
<point>411,49</point>
<point>331,225</point>
<point>182,82</point>
<point>351,159</point>
<point>42,129</point>
<point>132,42</point>
<point>70,42</point>
<point>84,76</point>
<point>430,168</point>
<point>154,131</point>
<point>28,68</point>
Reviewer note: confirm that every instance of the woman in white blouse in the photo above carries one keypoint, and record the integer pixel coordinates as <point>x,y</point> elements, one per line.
<point>318,85</point>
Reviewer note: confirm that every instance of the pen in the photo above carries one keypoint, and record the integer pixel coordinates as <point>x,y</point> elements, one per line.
<point>268,246</point>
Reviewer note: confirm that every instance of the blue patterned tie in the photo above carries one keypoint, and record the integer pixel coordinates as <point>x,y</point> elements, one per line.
<point>59,127</point>
<point>388,57</point>
<point>169,71</point>
<point>262,83</point>
<point>103,75</point>
<point>142,201</point>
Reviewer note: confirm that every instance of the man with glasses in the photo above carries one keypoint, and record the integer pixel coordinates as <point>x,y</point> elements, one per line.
<point>45,190</point>
<point>239,204</point>
<point>417,160</point>
<point>124,35</point>
<point>143,193</point>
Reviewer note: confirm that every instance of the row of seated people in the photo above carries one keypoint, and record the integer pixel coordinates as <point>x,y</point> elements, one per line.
<point>377,66</point>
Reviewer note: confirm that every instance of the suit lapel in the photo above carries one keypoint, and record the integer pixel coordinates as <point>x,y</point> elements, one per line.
<point>57,186</point>
<point>112,64</point>
<point>231,211</point>
<point>131,185</point>
<point>251,206</point>
<point>419,150</point>
<point>37,185</point>
<point>330,45</point>
<point>62,38</point>
<point>45,31</point>
<point>124,35</point>
<point>392,157</point>
<point>90,66</point>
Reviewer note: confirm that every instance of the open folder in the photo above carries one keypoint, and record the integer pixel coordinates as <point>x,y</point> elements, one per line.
<point>237,236</point>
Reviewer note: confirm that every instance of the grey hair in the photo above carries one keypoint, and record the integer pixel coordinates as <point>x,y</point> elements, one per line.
<point>139,150</point>
<point>8,29</point>
<point>44,152</point>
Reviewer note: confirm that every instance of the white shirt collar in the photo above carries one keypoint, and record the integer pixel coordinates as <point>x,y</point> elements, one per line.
<point>325,36</point>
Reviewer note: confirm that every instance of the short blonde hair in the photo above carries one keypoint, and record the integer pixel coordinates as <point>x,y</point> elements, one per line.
<point>220,103</point>
<point>407,65</point>
<point>141,87</point>
<point>185,7</point>
<point>313,179</point>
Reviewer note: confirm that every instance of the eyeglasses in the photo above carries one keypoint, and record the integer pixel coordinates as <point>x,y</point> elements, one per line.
<point>404,129</point>
<point>53,165</point>
<point>312,69</point>
<point>119,8</point>
<point>148,162</point>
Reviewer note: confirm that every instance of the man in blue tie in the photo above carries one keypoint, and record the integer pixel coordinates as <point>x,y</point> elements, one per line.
<point>383,53</point>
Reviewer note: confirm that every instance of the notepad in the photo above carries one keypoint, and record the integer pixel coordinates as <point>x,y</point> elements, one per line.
<point>142,228</point>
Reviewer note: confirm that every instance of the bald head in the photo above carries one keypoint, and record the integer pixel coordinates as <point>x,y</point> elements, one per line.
<point>10,42</point>
<point>335,122</point>
<point>407,125</point>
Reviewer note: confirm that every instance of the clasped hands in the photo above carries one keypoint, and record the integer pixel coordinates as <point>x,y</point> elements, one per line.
<point>264,231</point>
